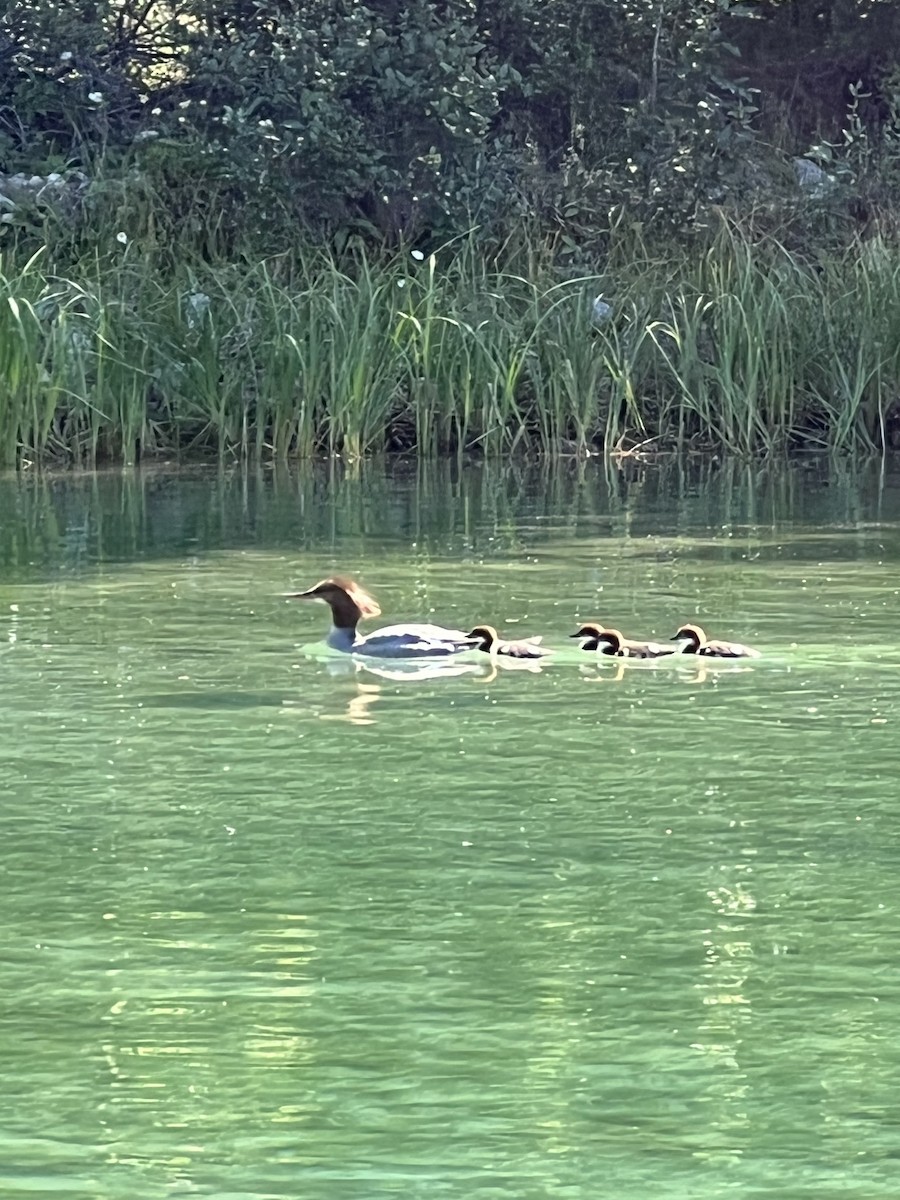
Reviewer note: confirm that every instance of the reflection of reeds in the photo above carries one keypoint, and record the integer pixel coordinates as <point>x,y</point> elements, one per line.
<point>496,510</point>
<point>751,350</point>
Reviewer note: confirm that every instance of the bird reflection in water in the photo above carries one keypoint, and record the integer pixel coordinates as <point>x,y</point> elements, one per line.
<point>685,670</point>
<point>358,707</point>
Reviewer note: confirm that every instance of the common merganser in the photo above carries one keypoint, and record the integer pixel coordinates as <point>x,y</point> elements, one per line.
<point>694,641</point>
<point>350,604</point>
<point>491,643</point>
<point>609,641</point>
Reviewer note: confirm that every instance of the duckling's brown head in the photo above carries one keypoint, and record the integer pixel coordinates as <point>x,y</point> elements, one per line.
<point>349,603</point>
<point>692,636</point>
<point>607,641</point>
<point>590,629</point>
<point>486,636</point>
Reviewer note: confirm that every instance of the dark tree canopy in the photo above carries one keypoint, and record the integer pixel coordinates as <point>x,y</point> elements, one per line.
<point>394,116</point>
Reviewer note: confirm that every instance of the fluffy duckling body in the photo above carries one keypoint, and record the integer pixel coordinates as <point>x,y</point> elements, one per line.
<point>600,640</point>
<point>694,641</point>
<point>350,604</point>
<point>490,642</point>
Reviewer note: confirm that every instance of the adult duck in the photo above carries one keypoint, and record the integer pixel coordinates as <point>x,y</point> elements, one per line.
<point>600,640</point>
<point>490,642</point>
<point>694,641</point>
<point>350,604</point>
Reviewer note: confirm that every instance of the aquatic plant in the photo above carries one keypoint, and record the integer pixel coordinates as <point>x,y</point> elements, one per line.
<point>743,348</point>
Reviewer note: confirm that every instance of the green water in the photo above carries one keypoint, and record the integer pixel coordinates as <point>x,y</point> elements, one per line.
<point>274,928</point>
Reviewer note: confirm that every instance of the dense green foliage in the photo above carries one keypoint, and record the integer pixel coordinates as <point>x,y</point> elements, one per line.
<point>396,119</point>
<point>223,258</point>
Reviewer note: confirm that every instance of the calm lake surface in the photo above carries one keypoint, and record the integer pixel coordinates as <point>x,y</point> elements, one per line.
<point>276,927</point>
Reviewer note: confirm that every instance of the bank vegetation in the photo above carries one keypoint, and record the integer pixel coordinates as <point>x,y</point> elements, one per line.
<point>295,227</point>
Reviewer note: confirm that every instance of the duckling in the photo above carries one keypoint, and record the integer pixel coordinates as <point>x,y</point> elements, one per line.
<point>491,643</point>
<point>694,641</point>
<point>588,629</point>
<point>350,604</point>
<point>609,641</point>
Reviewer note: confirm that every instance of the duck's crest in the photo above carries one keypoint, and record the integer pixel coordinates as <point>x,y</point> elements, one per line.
<point>367,605</point>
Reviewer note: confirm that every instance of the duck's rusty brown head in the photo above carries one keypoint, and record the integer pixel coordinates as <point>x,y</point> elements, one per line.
<point>349,603</point>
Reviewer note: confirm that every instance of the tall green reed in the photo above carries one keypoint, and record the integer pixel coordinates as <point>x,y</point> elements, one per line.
<point>742,347</point>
